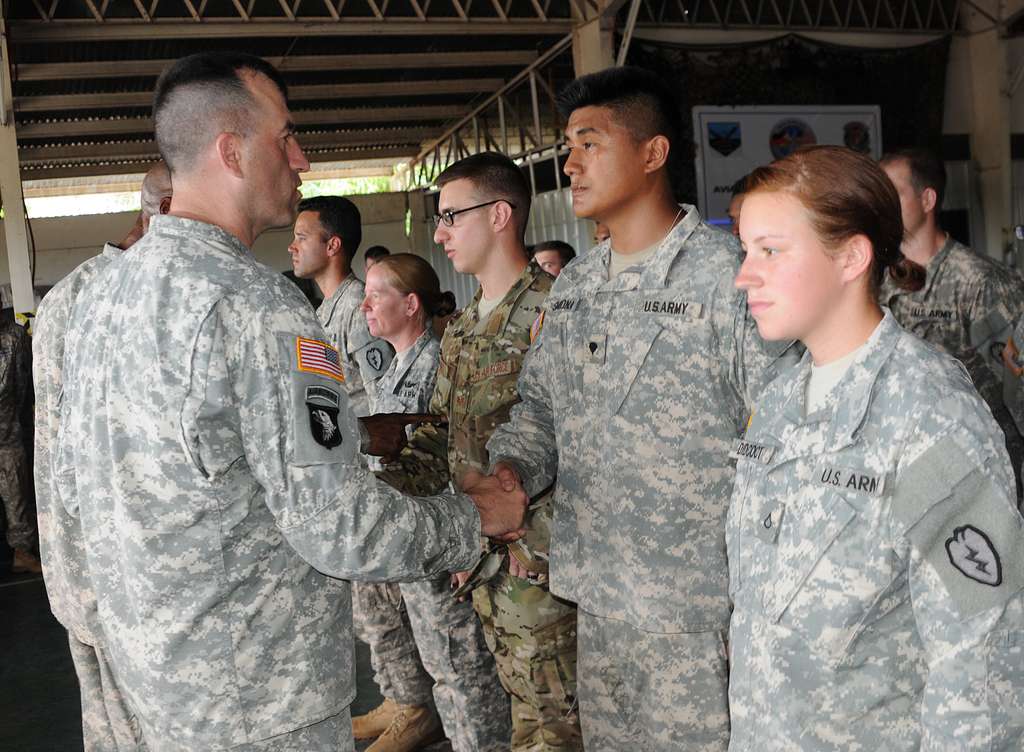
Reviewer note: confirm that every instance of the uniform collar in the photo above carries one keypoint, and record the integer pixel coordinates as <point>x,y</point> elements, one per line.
<point>935,265</point>
<point>167,224</point>
<point>845,415</point>
<point>653,275</point>
<point>331,303</point>
<point>413,353</point>
<point>498,319</point>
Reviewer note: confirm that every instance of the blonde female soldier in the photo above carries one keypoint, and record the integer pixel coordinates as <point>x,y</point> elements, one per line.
<point>876,555</point>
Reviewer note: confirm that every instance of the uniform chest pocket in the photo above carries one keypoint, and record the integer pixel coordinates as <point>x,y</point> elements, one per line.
<point>835,576</point>
<point>635,377</point>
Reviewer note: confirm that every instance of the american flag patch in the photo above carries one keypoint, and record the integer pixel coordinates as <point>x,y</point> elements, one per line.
<point>318,357</point>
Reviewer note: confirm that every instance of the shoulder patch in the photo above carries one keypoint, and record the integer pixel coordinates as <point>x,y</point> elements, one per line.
<point>972,552</point>
<point>314,356</point>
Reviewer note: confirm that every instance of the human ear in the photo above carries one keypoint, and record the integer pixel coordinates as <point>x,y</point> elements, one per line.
<point>502,215</point>
<point>656,155</point>
<point>334,245</point>
<point>929,199</point>
<point>229,152</point>
<point>856,257</point>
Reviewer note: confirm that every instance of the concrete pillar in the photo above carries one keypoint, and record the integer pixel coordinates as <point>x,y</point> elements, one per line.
<point>11,197</point>
<point>978,66</point>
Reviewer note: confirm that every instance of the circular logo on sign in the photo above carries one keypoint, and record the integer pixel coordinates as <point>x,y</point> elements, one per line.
<point>789,135</point>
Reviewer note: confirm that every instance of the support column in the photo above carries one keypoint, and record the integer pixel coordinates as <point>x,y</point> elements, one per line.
<point>11,197</point>
<point>989,106</point>
<point>593,45</point>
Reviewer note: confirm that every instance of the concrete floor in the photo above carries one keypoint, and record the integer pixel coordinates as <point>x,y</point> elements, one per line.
<point>39,705</point>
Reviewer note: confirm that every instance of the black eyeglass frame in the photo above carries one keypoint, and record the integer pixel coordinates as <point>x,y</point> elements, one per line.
<point>448,217</point>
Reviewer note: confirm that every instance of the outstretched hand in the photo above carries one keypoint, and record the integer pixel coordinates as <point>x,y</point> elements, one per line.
<point>385,432</point>
<point>501,501</point>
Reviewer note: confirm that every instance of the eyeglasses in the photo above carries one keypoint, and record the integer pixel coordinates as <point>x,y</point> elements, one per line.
<point>448,217</point>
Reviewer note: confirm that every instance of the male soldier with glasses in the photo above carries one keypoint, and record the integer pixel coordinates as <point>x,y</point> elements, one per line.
<point>483,210</point>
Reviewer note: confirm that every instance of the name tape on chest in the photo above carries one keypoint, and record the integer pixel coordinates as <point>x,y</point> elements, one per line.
<point>848,479</point>
<point>498,368</point>
<point>749,450</point>
<point>566,304</point>
<point>667,307</point>
<point>314,356</point>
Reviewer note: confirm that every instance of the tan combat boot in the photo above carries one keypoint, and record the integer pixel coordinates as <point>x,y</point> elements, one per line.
<point>415,727</point>
<point>25,561</point>
<point>376,722</point>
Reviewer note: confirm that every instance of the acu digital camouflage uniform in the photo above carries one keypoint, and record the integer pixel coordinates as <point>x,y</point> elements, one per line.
<point>632,394</point>
<point>442,632</point>
<point>876,564</point>
<point>207,446</point>
<point>15,429</point>
<point>531,633</point>
<point>364,358</point>
<point>967,307</point>
<point>107,722</point>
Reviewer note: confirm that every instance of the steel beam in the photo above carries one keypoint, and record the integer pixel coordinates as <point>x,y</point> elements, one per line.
<point>88,71</point>
<point>53,102</point>
<point>114,30</point>
<point>124,126</point>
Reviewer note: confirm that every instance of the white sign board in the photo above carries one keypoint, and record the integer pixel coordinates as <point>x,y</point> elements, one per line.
<point>732,141</point>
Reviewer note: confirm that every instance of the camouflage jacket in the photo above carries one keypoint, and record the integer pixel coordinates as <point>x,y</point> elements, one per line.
<point>65,569</point>
<point>208,447</point>
<point>408,383</point>
<point>476,385</point>
<point>876,563</point>
<point>364,358</point>
<point>15,384</point>
<point>967,308</point>
<point>633,392</point>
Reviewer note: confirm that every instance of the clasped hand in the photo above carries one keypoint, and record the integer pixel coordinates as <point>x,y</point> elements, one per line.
<point>501,501</point>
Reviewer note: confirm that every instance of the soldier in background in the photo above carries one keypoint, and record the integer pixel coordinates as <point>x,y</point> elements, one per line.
<point>207,446</point>
<point>969,302</point>
<point>482,213</point>
<point>106,720</point>
<point>373,254</point>
<point>553,255</point>
<point>15,430</point>
<point>641,380</point>
<point>327,233</point>
<point>422,641</point>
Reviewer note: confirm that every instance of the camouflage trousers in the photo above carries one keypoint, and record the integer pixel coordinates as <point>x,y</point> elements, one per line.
<point>655,692</point>
<point>14,473</point>
<point>532,635</point>
<point>107,723</point>
<point>333,734</point>
<point>422,642</point>
<point>381,620</point>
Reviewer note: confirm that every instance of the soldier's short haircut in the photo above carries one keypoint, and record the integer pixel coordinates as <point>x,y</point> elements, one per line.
<point>338,216</point>
<point>493,176</point>
<point>201,96</point>
<point>926,171</point>
<point>640,102</point>
<point>376,252</point>
<point>565,251</point>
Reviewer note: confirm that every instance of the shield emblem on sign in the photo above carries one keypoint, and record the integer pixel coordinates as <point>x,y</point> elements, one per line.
<point>724,137</point>
<point>375,358</point>
<point>323,404</point>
